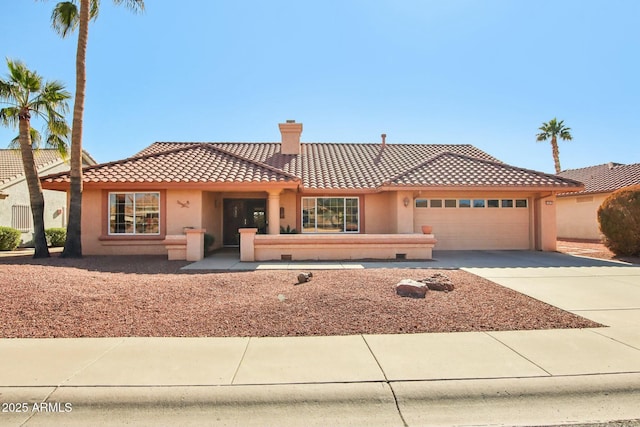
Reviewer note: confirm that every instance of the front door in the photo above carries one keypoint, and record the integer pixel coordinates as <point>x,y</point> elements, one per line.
<point>242,213</point>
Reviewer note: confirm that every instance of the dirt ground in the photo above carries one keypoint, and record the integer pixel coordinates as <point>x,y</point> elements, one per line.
<point>593,250</point>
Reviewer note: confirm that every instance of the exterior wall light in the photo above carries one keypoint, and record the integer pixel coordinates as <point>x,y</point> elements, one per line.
<point>406,202</point>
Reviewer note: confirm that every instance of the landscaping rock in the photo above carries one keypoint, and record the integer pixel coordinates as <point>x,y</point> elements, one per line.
<point>438,282</point>
<point>411,288</point>
<point>304,277</point>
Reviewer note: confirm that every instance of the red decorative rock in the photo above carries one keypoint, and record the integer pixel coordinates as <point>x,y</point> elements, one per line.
<point>438,282</point>
<point>411,288</point>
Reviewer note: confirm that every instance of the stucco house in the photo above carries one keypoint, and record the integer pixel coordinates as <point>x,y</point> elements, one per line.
<point>577,212</point>
<point>345,200</point>
<point>15,207</point>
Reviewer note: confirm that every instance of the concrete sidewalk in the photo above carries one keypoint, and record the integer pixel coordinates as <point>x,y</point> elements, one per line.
<point>542,377</point>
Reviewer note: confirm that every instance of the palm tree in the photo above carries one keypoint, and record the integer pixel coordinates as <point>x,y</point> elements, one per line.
<point>66,17</point>
<point>25,93</point>
<point>552,130</point>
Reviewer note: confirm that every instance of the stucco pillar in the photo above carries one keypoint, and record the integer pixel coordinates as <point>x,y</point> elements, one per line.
<point>195,244</point>
<point>247,239</point>
<point>546,223</point>
<point>273,208</point>
<point>404,212</point>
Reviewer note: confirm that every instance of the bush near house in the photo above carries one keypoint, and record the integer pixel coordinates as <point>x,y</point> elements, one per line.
<point>208,242</point>
<point>288,230</point>
<point>619,218</point>
<point>9,238</point>
<point>56,236</point>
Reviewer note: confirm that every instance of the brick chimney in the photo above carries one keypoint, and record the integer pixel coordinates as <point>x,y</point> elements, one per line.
<point>290,132</point>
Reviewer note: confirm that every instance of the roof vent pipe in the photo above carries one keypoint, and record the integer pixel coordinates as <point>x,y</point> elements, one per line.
<point>384,139</point>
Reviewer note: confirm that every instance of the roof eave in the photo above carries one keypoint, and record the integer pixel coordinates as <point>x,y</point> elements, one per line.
<point>205,186</point>
<point>492,188</point>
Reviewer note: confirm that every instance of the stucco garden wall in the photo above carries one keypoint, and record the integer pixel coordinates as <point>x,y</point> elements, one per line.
<point>577,216</point>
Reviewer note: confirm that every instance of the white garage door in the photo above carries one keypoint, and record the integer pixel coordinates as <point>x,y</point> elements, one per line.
<point>475,223</point>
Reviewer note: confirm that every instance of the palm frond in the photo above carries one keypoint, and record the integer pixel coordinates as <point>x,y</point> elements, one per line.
<point>135,6</point>
<point>57,125</point>
<point>65,18</point>
<point>9,116</point>
<point>36,138</point>
<point>95,9</point>
<point>59,144</point>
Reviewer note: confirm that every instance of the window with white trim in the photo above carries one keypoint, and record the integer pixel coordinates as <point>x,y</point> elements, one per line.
<point>330,215</point>
<point>134,213</point>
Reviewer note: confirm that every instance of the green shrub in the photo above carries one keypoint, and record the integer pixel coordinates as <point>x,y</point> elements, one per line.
<point>208,242</point>
<point>56,236</point>
<point>9,238</point>
<point>288,230</point>
<point>619,218</point>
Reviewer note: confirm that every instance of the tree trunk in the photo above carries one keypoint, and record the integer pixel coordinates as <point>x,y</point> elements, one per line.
<point>36,197</point>
<point>73,244</point>
<point>556,154</point>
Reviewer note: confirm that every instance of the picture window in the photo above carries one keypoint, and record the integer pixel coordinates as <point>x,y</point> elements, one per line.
<point>134,213</point>
<point>330,215</point>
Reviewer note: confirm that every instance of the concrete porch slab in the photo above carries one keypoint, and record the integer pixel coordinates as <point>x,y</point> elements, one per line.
<point>309,266</point>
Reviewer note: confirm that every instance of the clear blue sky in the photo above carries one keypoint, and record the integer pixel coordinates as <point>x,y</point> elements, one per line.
<point>486,73</point>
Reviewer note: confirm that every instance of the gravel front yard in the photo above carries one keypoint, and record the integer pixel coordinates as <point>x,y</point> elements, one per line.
<point>148,296</point>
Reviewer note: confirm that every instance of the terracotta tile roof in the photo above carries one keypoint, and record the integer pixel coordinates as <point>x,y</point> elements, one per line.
<point>11,162</point>
<point>604,178</point>
<point>191,163</point>
<point>320,166</point>
<point>338,166</point>
<point>457,169</point>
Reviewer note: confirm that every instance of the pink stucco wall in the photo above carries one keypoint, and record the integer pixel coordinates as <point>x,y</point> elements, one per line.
<point>391,212</point>
<point>577,216</point>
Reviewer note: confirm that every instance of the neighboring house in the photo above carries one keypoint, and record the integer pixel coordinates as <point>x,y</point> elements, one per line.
<point>578,212</point>
<point>346,201</point>
<point>15,207</point>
